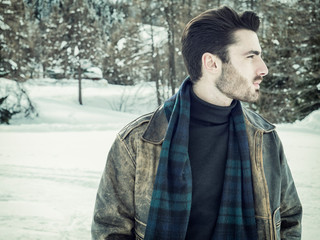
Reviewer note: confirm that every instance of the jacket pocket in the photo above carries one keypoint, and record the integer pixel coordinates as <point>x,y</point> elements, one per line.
<point>276,220</point>
<point>139,229</point>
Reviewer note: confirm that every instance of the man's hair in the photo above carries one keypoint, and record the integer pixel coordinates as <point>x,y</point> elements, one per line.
<point>212,32</point>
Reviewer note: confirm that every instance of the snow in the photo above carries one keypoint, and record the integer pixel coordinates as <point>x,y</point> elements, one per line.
<point>56,70</point>
<point>50,167</point>
<point>160,35</point>
<point>311,124</point>
<point>63,44</point>
<point>121,44</point>
<point>93,73</point>
<point>14,65</point>
<point>302,150</point>
<point>76,51</point>
<point>15,98</point>
<point>3,26</point>
<point>295,66</point>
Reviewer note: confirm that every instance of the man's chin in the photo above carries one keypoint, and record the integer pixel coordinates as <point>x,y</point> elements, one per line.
<point>256,98</point>
<point>253,98</point>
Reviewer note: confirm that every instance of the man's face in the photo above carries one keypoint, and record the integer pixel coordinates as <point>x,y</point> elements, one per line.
<point>240,78</point>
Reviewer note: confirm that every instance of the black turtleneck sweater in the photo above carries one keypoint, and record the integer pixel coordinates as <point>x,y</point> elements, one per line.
<point>208,145</point>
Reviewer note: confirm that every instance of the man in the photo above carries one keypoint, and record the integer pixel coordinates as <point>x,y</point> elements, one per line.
<point>202,166</point>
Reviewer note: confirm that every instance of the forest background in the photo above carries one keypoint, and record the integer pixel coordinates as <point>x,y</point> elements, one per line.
<point>131,42</point>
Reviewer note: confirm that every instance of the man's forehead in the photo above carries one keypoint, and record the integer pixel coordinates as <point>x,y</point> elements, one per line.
<point>246,41</point>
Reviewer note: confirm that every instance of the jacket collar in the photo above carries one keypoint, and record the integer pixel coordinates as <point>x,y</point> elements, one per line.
<point>157,127</point>
<point>253,120</point>
<point>158,124</point>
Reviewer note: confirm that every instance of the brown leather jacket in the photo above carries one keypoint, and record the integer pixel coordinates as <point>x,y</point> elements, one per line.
<point>124,194</point>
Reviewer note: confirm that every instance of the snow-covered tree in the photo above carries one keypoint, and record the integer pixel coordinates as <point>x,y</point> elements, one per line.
<point>15,45</point>
<point>290,40</point>
<point>14,100</point>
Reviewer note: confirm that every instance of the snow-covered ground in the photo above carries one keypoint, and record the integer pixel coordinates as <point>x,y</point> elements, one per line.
<point>50,167</point>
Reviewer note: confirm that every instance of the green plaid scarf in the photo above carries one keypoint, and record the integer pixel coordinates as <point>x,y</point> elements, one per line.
<point>172,194</point>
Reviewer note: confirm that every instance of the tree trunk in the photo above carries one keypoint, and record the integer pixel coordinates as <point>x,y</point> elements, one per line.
<point>79,84</point>
<point>172,68</point>
<point>155,72</point>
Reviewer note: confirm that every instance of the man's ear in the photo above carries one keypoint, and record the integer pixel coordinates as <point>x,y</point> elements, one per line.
<point>211,63</point>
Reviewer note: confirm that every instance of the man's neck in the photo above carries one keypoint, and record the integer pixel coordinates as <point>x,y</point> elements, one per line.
<point>208,92</point>
<point>204,113</point>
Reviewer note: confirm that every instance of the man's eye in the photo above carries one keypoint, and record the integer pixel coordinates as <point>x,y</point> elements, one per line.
<point>250,56</point>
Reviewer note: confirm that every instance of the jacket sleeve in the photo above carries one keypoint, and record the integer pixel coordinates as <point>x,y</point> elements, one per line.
<point>290,205</point>
<point>114,208</point>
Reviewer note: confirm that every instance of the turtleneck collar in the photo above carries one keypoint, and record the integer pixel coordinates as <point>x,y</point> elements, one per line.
<point>207,113</point>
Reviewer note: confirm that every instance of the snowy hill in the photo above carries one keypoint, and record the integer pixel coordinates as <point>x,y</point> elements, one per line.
<point>50,166</point>
<point>105,106</point>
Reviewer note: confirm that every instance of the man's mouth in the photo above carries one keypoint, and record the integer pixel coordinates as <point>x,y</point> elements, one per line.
<point>257,84</point>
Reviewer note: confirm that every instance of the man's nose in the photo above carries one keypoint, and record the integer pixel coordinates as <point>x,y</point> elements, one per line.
<point>262,69</point>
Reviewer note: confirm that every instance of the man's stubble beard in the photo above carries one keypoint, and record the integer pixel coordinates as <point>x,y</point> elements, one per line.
<point>234,86</point>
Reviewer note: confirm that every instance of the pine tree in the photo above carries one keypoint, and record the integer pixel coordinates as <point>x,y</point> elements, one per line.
<point>290,40</point>
<point>15,45</point>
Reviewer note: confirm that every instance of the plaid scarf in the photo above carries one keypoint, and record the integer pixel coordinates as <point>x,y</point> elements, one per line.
<point>172,194</point>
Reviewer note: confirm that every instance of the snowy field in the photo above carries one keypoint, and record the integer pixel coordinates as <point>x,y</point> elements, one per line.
<point>50,167</point>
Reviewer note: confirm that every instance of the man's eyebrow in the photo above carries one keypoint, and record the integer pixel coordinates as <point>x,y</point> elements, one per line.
<point>255,52</point>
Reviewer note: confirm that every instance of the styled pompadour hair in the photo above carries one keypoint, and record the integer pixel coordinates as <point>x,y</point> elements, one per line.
<point>212,32</point>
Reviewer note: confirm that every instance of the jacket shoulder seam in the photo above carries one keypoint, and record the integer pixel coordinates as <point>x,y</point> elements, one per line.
<point>127,150</point>
<point>124,132</point>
